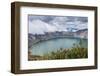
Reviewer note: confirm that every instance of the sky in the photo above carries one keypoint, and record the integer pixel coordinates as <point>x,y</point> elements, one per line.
<point>39,24</point>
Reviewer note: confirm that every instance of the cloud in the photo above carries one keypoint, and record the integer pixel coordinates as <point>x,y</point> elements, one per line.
<point>43,18</point>
<point>41,24</point>
<point>39,27</point>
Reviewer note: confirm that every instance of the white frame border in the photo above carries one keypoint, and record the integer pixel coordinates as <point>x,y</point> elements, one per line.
<point>25,64</point>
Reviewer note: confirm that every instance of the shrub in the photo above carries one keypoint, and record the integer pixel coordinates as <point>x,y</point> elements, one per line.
<point>77,51</point>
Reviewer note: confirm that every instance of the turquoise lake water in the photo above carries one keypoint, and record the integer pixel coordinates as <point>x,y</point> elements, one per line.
<point>54,44</point>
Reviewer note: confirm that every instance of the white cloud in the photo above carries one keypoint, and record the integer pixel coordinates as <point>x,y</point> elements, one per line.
<point>39,27</point>
<point>82,26</point>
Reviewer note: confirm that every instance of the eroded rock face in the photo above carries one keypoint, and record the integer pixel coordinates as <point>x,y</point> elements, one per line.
<point>82,33</point>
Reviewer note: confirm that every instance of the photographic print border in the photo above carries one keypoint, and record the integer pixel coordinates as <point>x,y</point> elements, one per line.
<point>15,37</point>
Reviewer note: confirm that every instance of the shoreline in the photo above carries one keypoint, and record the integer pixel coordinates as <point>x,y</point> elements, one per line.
<point>42,40</point>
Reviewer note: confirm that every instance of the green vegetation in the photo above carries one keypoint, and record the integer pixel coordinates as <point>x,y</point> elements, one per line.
<point>77,51</point>
<point>73,53</point>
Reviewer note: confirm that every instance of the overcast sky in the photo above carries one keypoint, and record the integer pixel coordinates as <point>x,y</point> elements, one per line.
<point>40,24</point>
